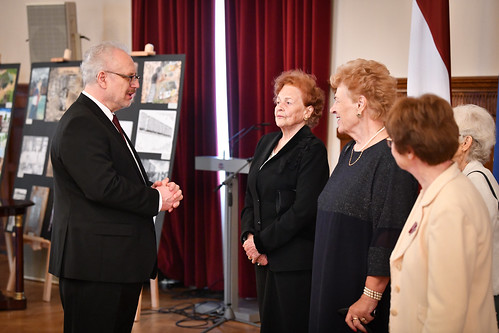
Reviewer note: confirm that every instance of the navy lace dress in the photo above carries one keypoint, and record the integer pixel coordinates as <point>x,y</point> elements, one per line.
<point>361,212</point>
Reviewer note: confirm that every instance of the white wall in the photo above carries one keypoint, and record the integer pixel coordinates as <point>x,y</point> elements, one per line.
<point>380,30</point>
<point>99,20</point>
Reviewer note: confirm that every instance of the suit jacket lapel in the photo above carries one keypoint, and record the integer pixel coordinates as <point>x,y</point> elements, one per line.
<point>267,150</point>
<point>97,112</point>
<point>416,217</point>
<point>114,132</point>
<point>139,162</point>
<point>302,133</point>
<point>410,230</point>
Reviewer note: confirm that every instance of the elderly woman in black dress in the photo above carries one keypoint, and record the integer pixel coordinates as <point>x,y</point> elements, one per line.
<point>288,172</point>
<point>362,208</point>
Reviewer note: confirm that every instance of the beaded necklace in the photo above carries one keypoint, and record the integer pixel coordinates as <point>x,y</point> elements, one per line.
<point>350,163</point>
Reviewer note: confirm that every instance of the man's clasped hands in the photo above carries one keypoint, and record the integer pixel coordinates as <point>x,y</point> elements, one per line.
<point>171,194</point>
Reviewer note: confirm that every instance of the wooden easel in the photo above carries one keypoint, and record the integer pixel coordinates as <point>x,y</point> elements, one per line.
<point>37,243</point>
<point>154,298</point>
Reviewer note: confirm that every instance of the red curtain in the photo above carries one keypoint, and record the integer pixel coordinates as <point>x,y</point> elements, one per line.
<point>264,38</point>
<point>191,242</point>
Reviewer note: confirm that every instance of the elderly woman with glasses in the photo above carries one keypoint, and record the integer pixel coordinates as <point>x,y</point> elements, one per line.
<point>477,136</point>
<point>441,264</point>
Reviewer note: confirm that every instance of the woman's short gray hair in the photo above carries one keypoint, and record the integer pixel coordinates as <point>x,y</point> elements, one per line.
<point>96,58</point>
<point>475,121</point>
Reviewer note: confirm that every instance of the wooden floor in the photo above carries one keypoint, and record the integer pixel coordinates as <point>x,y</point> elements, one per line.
<point>40,316</point>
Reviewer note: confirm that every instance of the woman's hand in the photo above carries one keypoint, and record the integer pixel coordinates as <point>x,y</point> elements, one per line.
<point>250,248</point>
<point>359,313</point>
<point>262,260</point>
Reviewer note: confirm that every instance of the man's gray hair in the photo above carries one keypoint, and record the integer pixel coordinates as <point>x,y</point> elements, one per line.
<point>96,59</point>
<point>475,121</point>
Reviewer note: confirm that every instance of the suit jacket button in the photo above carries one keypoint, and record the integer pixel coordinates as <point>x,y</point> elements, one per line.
<point>259,222</point>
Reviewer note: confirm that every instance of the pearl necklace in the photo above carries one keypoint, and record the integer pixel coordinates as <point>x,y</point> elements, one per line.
<point>350,163</point>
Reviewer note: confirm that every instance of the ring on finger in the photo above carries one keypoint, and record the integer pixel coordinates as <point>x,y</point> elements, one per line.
<point>363,320</point>
<point>355,318</point>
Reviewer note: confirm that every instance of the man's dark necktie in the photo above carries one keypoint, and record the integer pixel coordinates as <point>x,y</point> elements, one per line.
<point>116,123</point>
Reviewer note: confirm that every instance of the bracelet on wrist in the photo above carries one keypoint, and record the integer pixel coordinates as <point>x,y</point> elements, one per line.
<point>373,294</point>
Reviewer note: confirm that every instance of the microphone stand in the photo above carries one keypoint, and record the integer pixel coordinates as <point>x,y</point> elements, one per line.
<point>242,133</point>
<point>230,292</point>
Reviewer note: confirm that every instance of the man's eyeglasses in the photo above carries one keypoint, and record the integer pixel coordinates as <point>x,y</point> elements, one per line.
<point>130,78</point>
<point>389,142</point>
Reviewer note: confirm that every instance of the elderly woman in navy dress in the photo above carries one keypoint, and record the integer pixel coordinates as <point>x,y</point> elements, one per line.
<point>362,208</point>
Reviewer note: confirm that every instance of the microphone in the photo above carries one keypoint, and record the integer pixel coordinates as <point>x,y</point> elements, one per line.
<point>236,135</point>
<point>245,131</point>
<point>242,133</point>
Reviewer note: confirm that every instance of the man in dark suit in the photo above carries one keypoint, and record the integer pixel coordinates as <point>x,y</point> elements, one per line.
<point>103,238</point>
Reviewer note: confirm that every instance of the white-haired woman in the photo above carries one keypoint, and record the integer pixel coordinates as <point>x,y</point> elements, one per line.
<point>476,138</point>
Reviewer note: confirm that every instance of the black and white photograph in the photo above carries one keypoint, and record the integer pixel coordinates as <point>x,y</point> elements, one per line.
<point>5,115</point>
<point>155,132</point>
<point>33,155</point>
<point>3,145</point>
<point>7,86</point>
<point>127,126</point>
<point>36,213</point>
<point>19,194</point>
<point>156,169</point>
<point>65,84</point>
<point>35,110</point>
<point>10,224</point>
<point>160,83</point>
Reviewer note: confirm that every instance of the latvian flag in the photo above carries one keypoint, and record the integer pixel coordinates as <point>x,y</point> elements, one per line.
<point>429,50</point>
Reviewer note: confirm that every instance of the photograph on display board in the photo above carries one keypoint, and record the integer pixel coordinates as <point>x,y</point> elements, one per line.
<point>155,131</point>
<point>8,78</point>
<point>3,147</point>
<point>161,82</point>
<point>36,213</point>
<point>19,194</point>
<point>156,169</point>
<point>5,114</point>
<point>65,85</point>
<point>33,155</point>
<point>127,127</point>
<point>35,110</point>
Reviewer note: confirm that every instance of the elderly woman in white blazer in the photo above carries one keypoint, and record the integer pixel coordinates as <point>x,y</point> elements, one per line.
<point>441,265</point>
